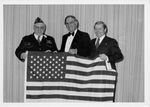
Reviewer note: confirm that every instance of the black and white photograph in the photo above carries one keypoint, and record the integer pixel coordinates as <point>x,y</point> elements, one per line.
<point>78,53</point>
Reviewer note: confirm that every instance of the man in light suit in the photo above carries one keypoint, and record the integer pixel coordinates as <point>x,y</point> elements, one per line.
<point>105,47</point>
<point>75,41</point>
<point>37,41</point>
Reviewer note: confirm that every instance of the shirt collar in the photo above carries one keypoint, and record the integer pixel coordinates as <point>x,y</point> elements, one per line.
<point>36,36</point>
<point>75,32</point>
<point>101,38</point>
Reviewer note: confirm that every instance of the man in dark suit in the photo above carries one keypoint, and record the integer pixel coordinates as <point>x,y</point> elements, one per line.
<point>76,41</point>
<point>37,41</point>
<point>105,47</point>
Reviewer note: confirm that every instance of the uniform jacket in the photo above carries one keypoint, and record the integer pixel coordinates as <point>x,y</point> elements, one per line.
<point>30,43</point>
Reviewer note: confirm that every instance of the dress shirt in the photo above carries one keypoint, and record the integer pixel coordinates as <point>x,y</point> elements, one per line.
<point>69,41</point>
<point>36,36</point>
<point>101,38</point>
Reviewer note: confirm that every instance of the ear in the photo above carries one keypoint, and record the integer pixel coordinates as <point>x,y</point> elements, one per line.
<point>44,30</point>
<point>76,23</point>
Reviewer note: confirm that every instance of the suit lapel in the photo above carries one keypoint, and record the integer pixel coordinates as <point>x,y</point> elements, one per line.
<point>76,36</point>
<point>43,40</point>
<point>34,39</point>
<point>93,43</point>
<point>74,42</point>
<point>103,45</point>
<point>102,42</point>
<point>66,37</point>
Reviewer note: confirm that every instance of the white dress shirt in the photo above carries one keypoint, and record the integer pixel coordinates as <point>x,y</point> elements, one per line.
<point>41,37</point>
<point>101,38</point>
<point>69,41</point>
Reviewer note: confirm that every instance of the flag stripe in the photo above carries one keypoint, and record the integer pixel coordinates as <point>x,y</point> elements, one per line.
<point>71,93</point>
<point>66,84</point>
<point>70,88</point>
<point>94,81</point>
<point>85,65</point>
<point>84,69</point>
<point>58,100</point>
<point>70,97</point>
<point>102,81</point>
<point>91,77</point>
<point>98,72</point>
<point>82,60</point>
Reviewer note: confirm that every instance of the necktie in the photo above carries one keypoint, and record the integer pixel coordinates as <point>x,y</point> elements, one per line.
<point>39,39</point>
<point>71,33</point>
<point>97,43</point>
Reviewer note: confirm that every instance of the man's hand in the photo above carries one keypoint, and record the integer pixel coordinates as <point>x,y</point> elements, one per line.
<point>48,51</point>
<point>103,57</point>
<point>73,51</point>
<point>51,51</point>
<point>55,52</point>
<point>24,55</point>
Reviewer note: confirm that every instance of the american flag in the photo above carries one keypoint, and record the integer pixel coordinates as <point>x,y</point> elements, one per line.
<point>64,77</point>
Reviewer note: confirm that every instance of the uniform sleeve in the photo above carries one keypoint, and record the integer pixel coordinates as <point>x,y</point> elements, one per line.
<point>54,45</point>
<point>20,49</point>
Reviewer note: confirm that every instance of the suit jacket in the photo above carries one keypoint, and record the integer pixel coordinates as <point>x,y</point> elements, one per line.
<point>30,43</point>
<point>108,46</point>
<point>81,42</point>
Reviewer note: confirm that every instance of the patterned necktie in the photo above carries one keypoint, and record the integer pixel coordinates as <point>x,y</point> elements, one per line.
<point>97,43</point>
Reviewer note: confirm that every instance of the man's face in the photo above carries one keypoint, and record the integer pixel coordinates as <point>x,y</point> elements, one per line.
<point>99,30</point>
<point>71,24</point>
<point>39,28</point>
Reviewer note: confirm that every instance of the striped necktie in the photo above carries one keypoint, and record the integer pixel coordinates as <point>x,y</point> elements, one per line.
<point>97,43</point>
<point>39,39</point>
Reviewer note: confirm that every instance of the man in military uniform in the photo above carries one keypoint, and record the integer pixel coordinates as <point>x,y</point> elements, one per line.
<point>37,41</point>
